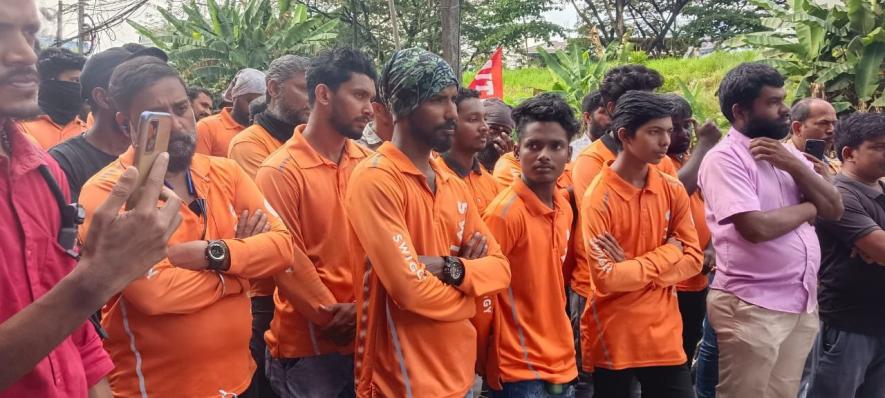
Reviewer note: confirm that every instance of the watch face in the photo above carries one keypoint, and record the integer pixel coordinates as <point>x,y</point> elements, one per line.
<point>455,272</point>
<point>216,251</point>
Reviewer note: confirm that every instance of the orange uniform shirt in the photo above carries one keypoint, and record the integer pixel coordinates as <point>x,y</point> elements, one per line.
<point>215,132</point>
<point>182,333</point>
<point>507,170</point>
<point>533,339</point>
<point>249,148</point>
<point>587,166</point>
<point>632,317</point>
<point>49,134</point>
<point>484,189</point>
<point>414,332</point>
<point>308,192</point>
<point>698,282</point>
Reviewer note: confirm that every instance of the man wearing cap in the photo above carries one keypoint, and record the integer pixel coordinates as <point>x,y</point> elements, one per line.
<point>58,98</point>
<point>215,132</point>
<point>500,126</point>
<point>424,253</point>
<point>84,155</point>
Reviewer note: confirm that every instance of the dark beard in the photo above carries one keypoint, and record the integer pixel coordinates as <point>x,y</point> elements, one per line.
<point>757,127</point>
<point>181,151</point>
<point>596,131</point>
<point>346,130</point>
<point>488,156</point>
<point>437,142</point>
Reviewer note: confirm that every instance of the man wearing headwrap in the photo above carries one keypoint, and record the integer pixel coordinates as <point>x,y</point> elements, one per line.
<point>500,126</point>
<point>428,255</point>
<point>59,98</point>
<point>215,132</point>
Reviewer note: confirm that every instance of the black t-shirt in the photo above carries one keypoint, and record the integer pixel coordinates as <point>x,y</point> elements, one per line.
<point>80,160</point>
<point>852,292</point>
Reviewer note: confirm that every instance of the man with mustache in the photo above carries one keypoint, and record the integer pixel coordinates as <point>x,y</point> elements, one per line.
<point>310,342</point>
<point>183,328</point>
<point>215,132</point>
<point>760,198</point>
<point>59,98</point>
<point>46,346</point>
<point>814,118</point>
<point>596,122</point>
<point>500,127</point>
<point>201,101</point>
<point>424,254</point>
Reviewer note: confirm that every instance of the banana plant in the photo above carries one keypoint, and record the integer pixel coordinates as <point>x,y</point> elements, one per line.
<point>211,42</point>
<point>839,46</point>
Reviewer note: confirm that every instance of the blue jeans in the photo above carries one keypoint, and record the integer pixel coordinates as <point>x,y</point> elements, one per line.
<point>847,364</point>
<point>321,376</point>
<point>707,365</point>
<point>530,389</point>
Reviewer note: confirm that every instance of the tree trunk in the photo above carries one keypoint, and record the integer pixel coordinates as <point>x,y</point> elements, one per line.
<point>619,18</point>
<point>393,25</point>
<point>450,12</point>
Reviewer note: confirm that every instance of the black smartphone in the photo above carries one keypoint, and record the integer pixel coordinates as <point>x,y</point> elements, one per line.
<point>815,148</point>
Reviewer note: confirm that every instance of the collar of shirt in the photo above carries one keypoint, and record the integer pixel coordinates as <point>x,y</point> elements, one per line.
<point>457,168</point>
<point>309,157</point>
<point>405,165</point>
<point>627,190</point>
<point>842,179</point>
<point>532,202</point>
<point>228,120</point>
<point>27,156</point>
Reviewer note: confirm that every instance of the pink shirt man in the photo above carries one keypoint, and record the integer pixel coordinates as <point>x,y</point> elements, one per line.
<point>780,274</point>
<point>32,263</point>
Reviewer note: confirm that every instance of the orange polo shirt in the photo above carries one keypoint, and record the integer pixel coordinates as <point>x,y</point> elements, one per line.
<point>49,134</point>
<point>532,338</point>
<point>182,333</point>
<point>215,132</point>
<point>484,189</point>
<point>414,332</point>
<point>249,148</point>
<point>587,166</point>
<point>632,317</point>
<point>507,169</point>
<point>698,282</point>
<point>308,192</point>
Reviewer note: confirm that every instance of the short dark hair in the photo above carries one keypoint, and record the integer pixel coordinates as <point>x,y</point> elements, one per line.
<point>591,102</point>
<point>132,76</point>
<point>621,79</point>
<point>55,60</point>
<point>636,108</point>
<point>681,107</point>
<point>334,67</point>
<point>465,93</point>
<point>546,107</point>
<point>133,47</point>
<point>852,130</point>
<point>194,91</point>
<point>743,83</point>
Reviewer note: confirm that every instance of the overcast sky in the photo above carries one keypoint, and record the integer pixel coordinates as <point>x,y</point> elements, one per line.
<point>123,33</point>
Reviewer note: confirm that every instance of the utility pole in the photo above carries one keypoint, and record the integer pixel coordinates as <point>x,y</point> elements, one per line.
<point>81,20</point>
<point>59,32</point>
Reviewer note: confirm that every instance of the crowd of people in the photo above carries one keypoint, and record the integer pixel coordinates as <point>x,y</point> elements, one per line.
<point>339,230</point>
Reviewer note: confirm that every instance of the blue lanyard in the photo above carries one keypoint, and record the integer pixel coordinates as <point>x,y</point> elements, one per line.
<point>198,206</point>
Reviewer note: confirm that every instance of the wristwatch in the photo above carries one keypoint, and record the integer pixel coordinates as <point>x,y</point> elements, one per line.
<point>217,255</point>
<point>453,271</point>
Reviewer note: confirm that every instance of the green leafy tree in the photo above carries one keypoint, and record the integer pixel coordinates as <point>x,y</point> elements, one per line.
<point>833,50</point>
<point>719,20</point>
<point>488,24</point>
<point>212,42</point>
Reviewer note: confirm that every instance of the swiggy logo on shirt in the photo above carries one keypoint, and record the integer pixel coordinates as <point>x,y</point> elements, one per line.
<point>408,257</point>
<point>462,210</point>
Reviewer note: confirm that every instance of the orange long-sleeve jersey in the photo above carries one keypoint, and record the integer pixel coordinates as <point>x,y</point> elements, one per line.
<point>533,339</point>
<point>698,282</point>
<point>215,132</point>
<point>249,148</point>
<point>414,331</point>
<point>587,166</point>
<point>49,134</point>
<point>484,189</point>
<point>182,333</point>
<point>632,317</point>
<point>308,192</point>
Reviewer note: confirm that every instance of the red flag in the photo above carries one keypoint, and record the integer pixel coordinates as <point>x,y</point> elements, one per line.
<point>489,80</point>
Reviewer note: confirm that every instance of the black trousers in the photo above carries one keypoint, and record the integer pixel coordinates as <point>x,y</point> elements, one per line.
<point>262,314</point>
<point>693,307</point>
<point>655,381</point>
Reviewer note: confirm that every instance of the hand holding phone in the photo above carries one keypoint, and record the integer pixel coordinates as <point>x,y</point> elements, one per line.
<point>815,148</point>
<point>150,140</point>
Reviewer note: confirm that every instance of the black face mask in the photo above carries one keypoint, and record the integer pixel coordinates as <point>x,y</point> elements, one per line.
<point>60,100</point>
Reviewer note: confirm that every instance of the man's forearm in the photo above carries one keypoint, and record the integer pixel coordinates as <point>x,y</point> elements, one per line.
<point>759,226</point>
<point>819,192</point>
<point>30,335</point>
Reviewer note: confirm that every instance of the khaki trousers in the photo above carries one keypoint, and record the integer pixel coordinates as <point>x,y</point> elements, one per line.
<point>761,352</point>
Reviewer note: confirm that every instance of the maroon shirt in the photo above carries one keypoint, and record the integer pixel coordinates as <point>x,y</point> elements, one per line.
<point>32,263</point>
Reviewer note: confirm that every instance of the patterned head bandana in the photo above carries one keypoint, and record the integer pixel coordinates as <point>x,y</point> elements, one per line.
<point>411,77</point>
